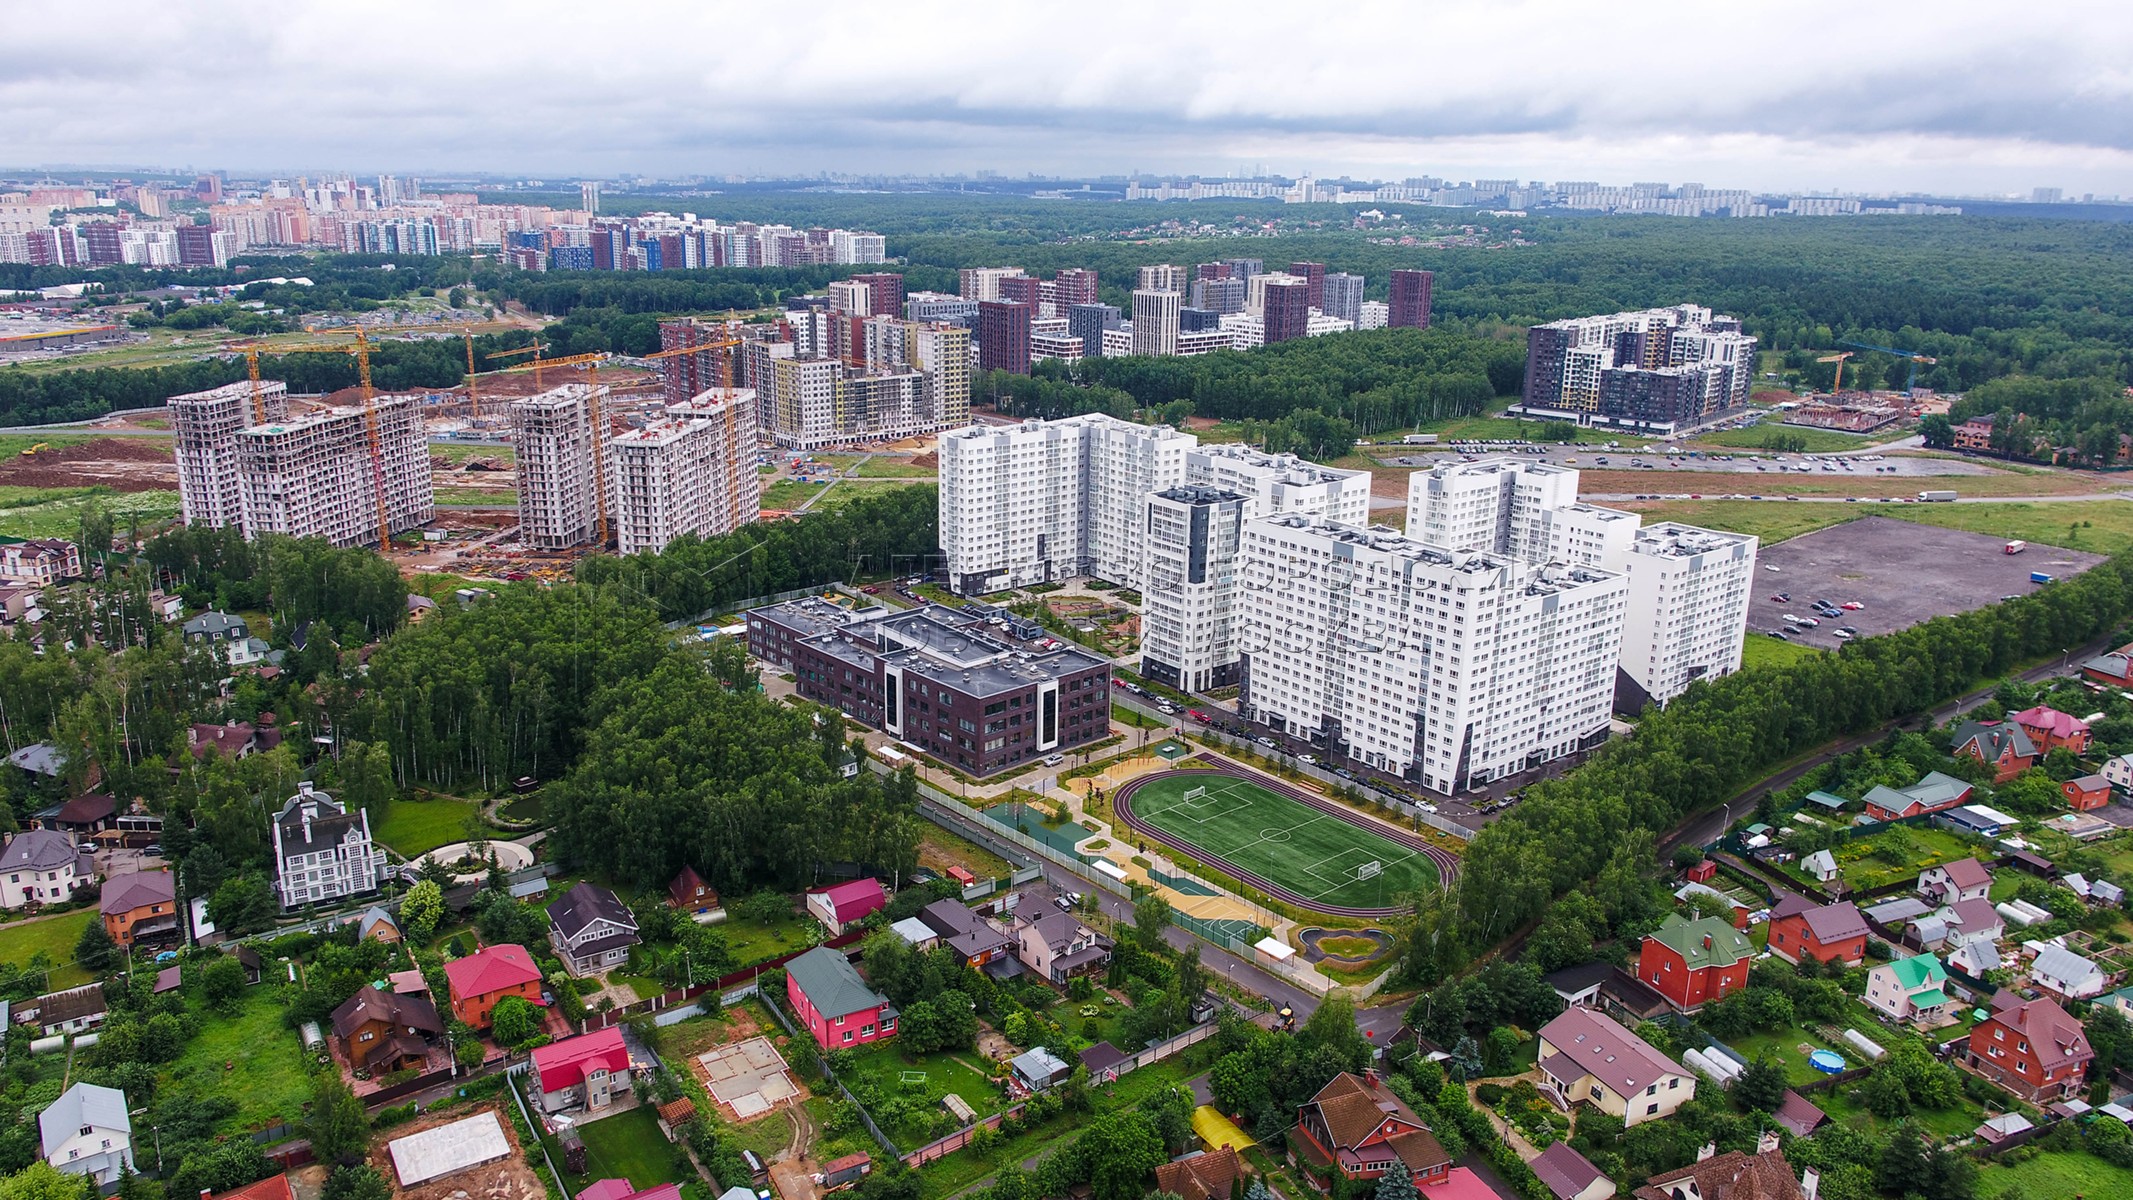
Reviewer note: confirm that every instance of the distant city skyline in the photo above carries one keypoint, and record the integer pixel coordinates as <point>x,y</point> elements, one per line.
<point>1810,98</point>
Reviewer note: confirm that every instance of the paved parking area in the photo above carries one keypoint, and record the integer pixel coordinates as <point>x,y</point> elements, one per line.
<point>1903,572</point>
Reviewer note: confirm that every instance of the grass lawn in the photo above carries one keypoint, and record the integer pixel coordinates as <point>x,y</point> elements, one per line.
<point>56,512</point>
<point>946,1176</point>
<point>253,1058</point>
<point>1126,716</point>
<point>2064,1173</point>
<point>1771,521</point>
<point>938,848</point>
<point>752,943</point>
<point>1762,650</point>
<point>786,494</point>
<point>459,452</point>
<point>1783,1045</point>
<point>1842,1105</point>
<point>1864,871</point>
<point>2077,525</point>
<point>419,826</point>
<point>22,940</point>
<point>880,1068</point>
<point>13,444</point>
<point>893,467</point>
<point>1240,826</point>
<point>628,1146</point>
<point>1818,441</point>
<point>474,497</point>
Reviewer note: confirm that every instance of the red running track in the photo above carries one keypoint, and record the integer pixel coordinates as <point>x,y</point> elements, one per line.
<point>1122,800</point>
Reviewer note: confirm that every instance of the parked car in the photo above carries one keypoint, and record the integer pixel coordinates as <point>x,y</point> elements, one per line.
<point>1309,760</point>
<point>1851,605</point>
<point>1810,622</point>
<point>1053,760</point>
<point>1265,741</point>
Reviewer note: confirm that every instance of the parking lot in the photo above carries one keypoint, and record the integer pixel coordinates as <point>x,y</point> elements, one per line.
<point>1753,463</point>
<point>1903,573</point>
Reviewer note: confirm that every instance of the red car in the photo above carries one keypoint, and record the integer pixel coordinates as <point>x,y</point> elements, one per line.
<point>871,590</point>
<point>1197,715</point>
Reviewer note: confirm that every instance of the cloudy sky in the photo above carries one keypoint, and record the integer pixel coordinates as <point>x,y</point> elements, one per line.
<point>1970,96</point>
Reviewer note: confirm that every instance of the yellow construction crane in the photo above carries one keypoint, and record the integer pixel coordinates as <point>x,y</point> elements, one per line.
<point>1837,358</point>
<point>725,360</point>
<point>360,350</point>
<point>251,350</point>
<point>538,362</point>
<point>598,420</point>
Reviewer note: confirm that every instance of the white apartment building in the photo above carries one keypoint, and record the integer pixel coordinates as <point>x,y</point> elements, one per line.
<point>1373,314</point>
<point>1448,668</point>
<point>1047,500</point>
<point>1155,320</point>
<point>851,246</point>
<point>800,399</point>
<point>319,476</point>
<point>1190,585</point>
<point>983,283</point>
<point>1690,588</point>
<point>560,500</point>
<point>943,353</point>
<point>1689,591</point>
<point>205,425</point>
<point>1272,484</point>
<point>1163,277</point>
<point>692,472</point>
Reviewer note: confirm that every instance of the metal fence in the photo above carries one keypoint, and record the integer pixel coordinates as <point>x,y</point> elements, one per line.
<point>940,808</point>
<point>866,1118</point>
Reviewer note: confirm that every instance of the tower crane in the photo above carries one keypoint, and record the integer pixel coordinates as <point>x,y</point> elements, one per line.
<point>251,350</point>
<point>535,350</point>
<point>591,363</point>
<point>723,347</point>
<point>1911,356</point>
<point>1837,358</point>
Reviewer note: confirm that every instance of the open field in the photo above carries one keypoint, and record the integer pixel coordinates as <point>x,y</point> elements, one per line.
<point>1603,482</point>
<point>1818,441</point>
<point>2096,527</point>
<point>22,940</point>
<point>882,1065</point>
<point>56,512</point>
<point>627,1145</point>
<point>786,494</point>
<point>2066,1173</point>
<point>1761,651</point>
<point>894,466</point>
<point>459,452</point>
<point>415,827</point>
<point>1310,855</point>
<point>1903,572</point>
<point>252,1058</point>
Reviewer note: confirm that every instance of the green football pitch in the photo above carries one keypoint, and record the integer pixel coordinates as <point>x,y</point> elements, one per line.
<point>1268,838</point>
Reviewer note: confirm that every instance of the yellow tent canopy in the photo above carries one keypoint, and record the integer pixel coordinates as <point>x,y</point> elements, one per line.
<point>1217,1131</point>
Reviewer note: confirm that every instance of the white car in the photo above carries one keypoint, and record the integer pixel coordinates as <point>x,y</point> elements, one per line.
<point>1309,760</point>
<point>1843,636</point>
<point>1810,622</point>
<point>1789,617</point>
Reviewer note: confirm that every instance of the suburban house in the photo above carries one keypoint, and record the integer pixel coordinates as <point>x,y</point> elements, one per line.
<point>1037,1069</point>
<point>1910,989</point>
<point>39,561</point>
<point>1355,1126</point>
<point>488,975</point>
<point>2085,792</point>
<point>1976,958</point>
<point>835,1004</point>
<point>384,1031</point>
<point>2118,769</point>
<point>38,761</point>
<point>692,895</point>
<point>587,1071</point>
<point>2002,745</point>
<point>140,906</point>
<point>1826,933</point>
<point>2031,1048</point>
<point>1694,963</point>
<point>82,817</point>
<point>1569,1176</point>
<point>1821,866</point>
<point>2049,729</point>
<point>232,739</point>
<point>1203,1175</point>
<point>976,940</point>
<point>2066,974</point>
<point>323,852</point>
<point>1935,793</point>
<point>591,929</point>
<point>42,866</point>
<point>1589,1058</point>
<point>2114,668</point>
<point>1957,924</point>
<point>1738,909</point>
<point>623,1189</point>
<point>377,925</point>
<point>273,1187</point>
<point>1963,879</point>
<point>87,1132</point>
<point>845,905</point>
<point>1056,947</point>
<point>229,637</point>
<point>1764,1175</point>
<point>71,1011</point>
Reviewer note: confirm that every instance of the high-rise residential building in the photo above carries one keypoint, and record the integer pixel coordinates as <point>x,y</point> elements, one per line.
<point>800,398</point>
<point>1447,668</point>
<point>589,196</point>
<point>1689,592</point>
<point>939,306</point>
<point>1409,307</point>
<point>1072,286</point>
<point>1046,500</point>
<point>204,426</point>
<point>1222,295</point>
<point>942,351</point>
<point>851,246</point>
<point>1593,368</point>
<point>1287,311</point>
<point>1314,274</point>
<point>885,289</point>
<point>561,490</point>
<point>850,296</point>
<point>320,476</point>
<point>1273,484</point>
<point>1341,296</point>
<point>688,375</point>
<point>1198,320</point>
<point>1162,277</point>
<point>1023,290</point>
<point>1088,322</point>
<point>1244,268</point>
<point>983,283</point>
<point>1374,314</point>
<point>1190,585</point>
<point>1003,336</point>
<point>1155,321</point>
<point>202,246</point>
<point>1213,270</point>
<point>1688,587</point>
<point>692,472</point>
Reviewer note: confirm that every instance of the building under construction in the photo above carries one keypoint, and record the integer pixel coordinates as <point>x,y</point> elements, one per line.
<point>323,475</point>
<point>206,426</point>
<point>561,500</point>
<point>691,472</point>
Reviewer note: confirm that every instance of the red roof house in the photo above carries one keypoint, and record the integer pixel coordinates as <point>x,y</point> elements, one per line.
<point>2086,792</point>
<point>1694,963</point>
<point>2003,746</point>
<point>1826,933</point>
<point>623,1189</point>
<point>846,904</point>
<point>691,894</point>
<point>2031,1048</point>
<point>2050,729</point>
<point>1355,1126</point>
<point>273,1187</point>
<point>488,975</point>
<point>589,1070</point>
